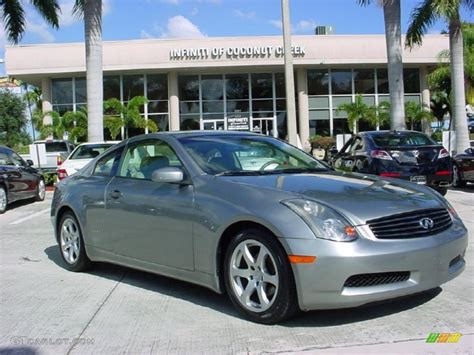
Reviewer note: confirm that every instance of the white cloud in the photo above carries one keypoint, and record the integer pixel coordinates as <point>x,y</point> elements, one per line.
<point>171,2</point>
<point>181,27</point>
<point>146,35</point>
<point>276,23</point>
<point>243,14</point>
<point>41,30</point>
<point>304,26</point>
<point>194,11</point>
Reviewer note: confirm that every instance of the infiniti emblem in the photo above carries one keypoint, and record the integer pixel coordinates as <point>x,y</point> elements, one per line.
<point>426,223</point>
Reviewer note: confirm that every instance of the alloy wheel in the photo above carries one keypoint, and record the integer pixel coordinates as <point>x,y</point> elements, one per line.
<point>3,199</point>
<point>41,190</point>
<point>456,180</point>
<point>254,275</point>
<point>70,240</point>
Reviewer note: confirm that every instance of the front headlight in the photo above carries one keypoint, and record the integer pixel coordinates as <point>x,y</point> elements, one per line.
<point>325,222</point>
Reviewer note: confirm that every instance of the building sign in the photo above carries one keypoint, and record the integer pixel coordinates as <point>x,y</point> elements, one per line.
<point>238,122</point>
<point>233,52</point>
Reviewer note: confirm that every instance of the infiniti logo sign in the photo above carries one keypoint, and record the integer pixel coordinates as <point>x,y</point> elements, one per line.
<point>426,223</point>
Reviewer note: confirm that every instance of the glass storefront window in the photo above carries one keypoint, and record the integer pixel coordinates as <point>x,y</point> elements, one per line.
<point>81,90</point>
<point>340,126</point>
<point>212,87</point>
<point>341,82</point>
<point>189,122</point>
<point>319,127</point>
<point>262,105</point>
<point>318,82</point>
<point>213,106</point>
<point>61,91</point>
<point>133,85</point>
<point>62,109</point>
<point>238,106</point>
<point>161,121</point>
<point>382,81</point>
<point>411,80</point>
<point>262,86</point>
<point>157,87</point>
<point>158,106</point>
<point>111,87</point>
<point>364,81</point>
<point>237,86</point>
<point>189,107</point>
<point>188,87</point>
<point>280,85</point>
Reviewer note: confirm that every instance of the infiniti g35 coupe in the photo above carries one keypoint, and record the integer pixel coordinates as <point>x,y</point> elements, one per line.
<point>259,219</point>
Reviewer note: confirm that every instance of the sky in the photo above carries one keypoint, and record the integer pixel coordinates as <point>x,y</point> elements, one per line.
<point>141,19</point>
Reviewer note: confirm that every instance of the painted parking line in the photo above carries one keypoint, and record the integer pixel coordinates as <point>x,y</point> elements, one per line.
<point>31,216</point>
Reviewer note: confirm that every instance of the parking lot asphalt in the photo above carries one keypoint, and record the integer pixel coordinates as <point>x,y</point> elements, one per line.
<point>44,308</point>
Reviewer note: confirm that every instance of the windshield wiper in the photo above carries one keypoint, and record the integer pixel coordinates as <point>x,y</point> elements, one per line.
<point>294,171</point>
<point>240,173</point>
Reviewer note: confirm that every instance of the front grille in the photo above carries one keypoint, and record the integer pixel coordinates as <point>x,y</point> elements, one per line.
<point>384,278</point>
<point>407,225</point>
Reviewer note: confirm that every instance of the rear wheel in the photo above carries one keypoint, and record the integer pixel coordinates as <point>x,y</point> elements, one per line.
<point>71,244</point>
<point>457,180</point>
<point>258,277</point>
<point>3,200</point>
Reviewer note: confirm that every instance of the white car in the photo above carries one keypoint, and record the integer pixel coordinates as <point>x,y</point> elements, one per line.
<point>80,156</point>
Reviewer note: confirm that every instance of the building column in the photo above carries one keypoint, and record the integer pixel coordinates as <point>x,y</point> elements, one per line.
<point>425,98</point>
<point>303,106</point>
<point>46,99</point>
<point>173,94</point>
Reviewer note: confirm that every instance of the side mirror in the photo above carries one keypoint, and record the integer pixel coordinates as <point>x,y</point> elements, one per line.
<point>169,174</point>
<point>469,151</point>
<point>29,162</point>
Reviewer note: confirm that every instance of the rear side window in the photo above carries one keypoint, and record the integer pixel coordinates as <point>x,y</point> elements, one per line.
<point>52,147</point>
<point>4,158</point>
<point>108,164</point>
<point>89,151</point>
<point>402,140</point>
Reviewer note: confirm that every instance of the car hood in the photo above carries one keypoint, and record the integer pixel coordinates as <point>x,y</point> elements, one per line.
<point>359,197</point>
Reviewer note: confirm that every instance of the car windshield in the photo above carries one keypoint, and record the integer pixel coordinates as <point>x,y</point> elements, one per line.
<point>409,139</point>
<point>247,155</point>
<point>89,151</point>
<point>52,147</point>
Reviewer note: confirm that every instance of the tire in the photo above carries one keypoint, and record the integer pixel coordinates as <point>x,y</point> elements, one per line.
<point>457,180</point>
<point>266,302</point>
<point>3,199</point>
<point>71,244</point>
<point>40,191</point>
<point>442,190</point>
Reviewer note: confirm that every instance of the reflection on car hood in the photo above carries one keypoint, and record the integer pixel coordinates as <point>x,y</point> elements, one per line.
<point>358,197</point>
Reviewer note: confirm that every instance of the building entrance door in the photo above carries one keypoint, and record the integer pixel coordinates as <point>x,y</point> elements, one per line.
<point>265,125</point>
<point>213,125</point>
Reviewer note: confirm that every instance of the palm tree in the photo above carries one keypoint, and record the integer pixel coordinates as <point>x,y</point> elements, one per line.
<point>392,18</point>
<point>422,17</point>
<point>91,11</point>
<point>358,110</point>
<point>76,124</point>
<point>127,115</point>
<point>415,113</point>
<point>13,16</point>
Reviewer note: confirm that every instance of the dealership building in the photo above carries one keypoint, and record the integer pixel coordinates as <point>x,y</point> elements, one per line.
<point>234,83</point>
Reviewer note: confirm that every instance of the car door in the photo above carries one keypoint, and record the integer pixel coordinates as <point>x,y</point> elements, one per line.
<point>21,182</point>
<point>147,220</point>
<point>467,161</point>
<point>341,158</point>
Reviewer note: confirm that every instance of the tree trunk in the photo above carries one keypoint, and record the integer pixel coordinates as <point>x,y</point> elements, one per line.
<point>457,85</point>
<point>93,42</point>
<point>391,12</point>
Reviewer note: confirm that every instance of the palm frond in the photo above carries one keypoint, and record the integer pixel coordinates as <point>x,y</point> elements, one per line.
<point>78,9</point>
<point>14,19</point>
<point>364,2</point>
<point>49,10</point>
<point>440,74</point>
<point>422,17</point>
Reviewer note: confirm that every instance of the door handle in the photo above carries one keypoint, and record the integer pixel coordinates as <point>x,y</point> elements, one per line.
<point>115,194</point>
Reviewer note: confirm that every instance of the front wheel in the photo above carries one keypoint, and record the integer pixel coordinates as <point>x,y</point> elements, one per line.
<point>71,244</point>
<point>41,191</point>
<point>3,200</point>
<point>258,277</point>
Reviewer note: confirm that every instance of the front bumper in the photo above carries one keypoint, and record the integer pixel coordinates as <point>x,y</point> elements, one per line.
<point>430,261</point>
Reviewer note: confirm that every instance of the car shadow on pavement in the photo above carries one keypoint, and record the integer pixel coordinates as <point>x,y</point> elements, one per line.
<point>20,203</point>
<point>206,298</point>
<point>468,188</point>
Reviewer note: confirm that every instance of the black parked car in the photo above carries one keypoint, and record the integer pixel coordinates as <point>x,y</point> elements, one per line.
<point>406,155</point>
<point>18,180</point>
<point>463,168</point>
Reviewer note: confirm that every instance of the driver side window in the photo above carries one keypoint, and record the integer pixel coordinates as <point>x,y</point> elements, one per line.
<point>144,157</point>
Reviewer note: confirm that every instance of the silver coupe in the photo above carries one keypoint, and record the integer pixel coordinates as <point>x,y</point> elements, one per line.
<point>259,219</point>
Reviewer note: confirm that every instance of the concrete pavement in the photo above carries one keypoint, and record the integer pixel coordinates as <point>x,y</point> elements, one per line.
<point>43,307</point>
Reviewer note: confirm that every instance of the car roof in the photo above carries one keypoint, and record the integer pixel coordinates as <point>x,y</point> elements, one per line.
<point>194,134</point>
<point>381,133</point>
<point>93,143</point>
